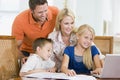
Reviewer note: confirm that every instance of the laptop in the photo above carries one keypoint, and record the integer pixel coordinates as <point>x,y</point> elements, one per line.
<point>111,68</point>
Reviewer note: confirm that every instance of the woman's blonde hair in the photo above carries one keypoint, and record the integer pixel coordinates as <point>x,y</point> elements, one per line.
<point>87,57</point>
<point>64,12</point>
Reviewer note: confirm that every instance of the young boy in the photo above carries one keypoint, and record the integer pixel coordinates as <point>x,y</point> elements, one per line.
<point>40,61</point>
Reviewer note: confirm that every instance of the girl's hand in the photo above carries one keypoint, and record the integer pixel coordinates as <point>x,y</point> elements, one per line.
<point>70,72</point>
<point>96,71</point>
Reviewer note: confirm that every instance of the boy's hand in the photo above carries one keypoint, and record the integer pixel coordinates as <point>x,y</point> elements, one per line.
<point>23,60</point>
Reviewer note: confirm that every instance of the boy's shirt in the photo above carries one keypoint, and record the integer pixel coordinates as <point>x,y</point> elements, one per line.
<point>36,62</point>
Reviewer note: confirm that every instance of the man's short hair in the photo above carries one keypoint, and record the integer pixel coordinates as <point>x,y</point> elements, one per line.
<point>34,3</point>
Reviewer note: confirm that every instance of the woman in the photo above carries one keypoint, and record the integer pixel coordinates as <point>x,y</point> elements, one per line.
<point>63,35</point>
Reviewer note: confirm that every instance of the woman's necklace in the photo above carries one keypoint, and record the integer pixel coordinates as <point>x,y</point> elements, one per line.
<point>66,40</point>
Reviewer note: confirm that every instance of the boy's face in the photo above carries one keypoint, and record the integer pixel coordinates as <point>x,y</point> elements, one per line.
<point>46,51</point>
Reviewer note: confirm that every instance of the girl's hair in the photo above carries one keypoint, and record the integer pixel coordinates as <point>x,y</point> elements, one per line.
<point>64,12</point>
<point>40,42</point>
<point>34,3</point>
<point>87,57</point>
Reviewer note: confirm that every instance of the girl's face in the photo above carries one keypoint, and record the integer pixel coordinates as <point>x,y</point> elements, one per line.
<point>67,25</point>
<point>86,39</point>
<point>46,51</point>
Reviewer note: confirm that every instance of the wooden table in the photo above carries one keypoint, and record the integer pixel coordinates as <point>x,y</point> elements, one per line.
<point>59,79</point>
<point>108,79</point>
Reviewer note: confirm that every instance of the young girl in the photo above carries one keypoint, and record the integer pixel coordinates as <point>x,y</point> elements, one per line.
<point>40,61</point>
<point>82,58</point>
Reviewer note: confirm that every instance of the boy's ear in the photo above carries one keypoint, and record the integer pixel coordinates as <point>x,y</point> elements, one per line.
<point>38,48</point>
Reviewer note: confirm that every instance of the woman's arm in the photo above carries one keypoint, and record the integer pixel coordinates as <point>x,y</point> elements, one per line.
<point>64,67</point>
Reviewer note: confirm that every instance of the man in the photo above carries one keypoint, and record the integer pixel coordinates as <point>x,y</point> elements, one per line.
<point>38,21</point>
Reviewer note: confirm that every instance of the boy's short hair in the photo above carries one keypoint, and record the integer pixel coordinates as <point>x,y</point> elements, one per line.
<point>41,42</point>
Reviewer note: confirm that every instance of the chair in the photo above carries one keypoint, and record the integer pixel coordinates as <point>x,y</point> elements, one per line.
<point>104,43</point>
<point>9,57</point>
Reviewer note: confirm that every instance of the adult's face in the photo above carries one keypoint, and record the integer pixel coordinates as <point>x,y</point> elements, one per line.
<point>67,25</point>
<point>40,12</point>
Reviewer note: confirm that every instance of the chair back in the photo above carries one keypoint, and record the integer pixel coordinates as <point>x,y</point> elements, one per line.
<point>104,43</point>
<point>8,57</point>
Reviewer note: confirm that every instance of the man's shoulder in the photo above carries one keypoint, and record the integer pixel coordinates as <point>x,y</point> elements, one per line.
<point>23,16</point>
<point>53,9</point>
<point>24,13</point>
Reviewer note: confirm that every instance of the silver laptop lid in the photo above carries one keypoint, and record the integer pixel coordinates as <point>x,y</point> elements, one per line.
<point>111,68</point>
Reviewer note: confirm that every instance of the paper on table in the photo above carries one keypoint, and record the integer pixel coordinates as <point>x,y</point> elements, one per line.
<point>49,75</point>
<point>82,77</point>
<point>60,76</point>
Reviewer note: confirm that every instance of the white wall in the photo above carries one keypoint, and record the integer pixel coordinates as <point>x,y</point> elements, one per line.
<point>89,12</point>
<point>116,17</point>
<point>86,11</point>
<point>6,22</point>
<point>8,11</point>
